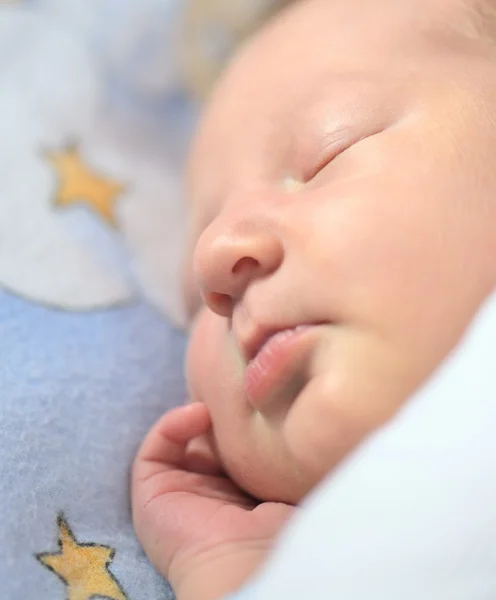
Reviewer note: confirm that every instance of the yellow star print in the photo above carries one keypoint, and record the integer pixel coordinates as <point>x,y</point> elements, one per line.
<point>78,183</point>
<point>82,567</point>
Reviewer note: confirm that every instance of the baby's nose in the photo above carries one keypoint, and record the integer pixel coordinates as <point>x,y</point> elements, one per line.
<point>227,259</point>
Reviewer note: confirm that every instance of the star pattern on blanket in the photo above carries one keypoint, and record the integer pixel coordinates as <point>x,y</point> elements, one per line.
<point>83,568</point>
<point>81,184</point>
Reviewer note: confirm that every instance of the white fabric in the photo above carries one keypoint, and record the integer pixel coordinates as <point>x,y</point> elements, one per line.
<point>413,514</point>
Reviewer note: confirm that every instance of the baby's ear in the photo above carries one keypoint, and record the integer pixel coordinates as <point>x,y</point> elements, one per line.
<point>211,31</point>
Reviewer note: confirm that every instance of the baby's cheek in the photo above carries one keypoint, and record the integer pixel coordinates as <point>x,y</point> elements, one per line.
<point>198,355</point>
<point>212,361</point>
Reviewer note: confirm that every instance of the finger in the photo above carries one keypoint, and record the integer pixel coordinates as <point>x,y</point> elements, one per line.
<point>168,438</point>
<point>202,456</point>
<point>272,516</point>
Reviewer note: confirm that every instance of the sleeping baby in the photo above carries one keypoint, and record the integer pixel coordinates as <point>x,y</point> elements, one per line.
<point>342,238</point>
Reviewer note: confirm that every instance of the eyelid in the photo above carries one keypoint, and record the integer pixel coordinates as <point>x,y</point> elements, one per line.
<point>337,142</point>
<point>330,147</point>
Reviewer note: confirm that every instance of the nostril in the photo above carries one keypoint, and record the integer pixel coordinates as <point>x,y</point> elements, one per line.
<point>245,264</point>
<point>221,303</point>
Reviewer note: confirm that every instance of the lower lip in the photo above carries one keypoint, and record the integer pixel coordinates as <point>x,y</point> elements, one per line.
<point>274,364</point>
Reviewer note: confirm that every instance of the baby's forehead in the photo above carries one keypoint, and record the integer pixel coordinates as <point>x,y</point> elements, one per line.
<point>284,99</point>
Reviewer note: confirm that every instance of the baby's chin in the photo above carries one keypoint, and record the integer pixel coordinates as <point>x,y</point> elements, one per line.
<point>268,481</point>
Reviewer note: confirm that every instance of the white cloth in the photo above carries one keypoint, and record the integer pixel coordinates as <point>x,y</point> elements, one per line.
<point>413,514</point>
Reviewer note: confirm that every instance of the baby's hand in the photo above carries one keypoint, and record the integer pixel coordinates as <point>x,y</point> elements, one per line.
<point>199,529</point>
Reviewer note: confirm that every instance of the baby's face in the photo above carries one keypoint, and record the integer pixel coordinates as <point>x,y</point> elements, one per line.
<point>343,197</point>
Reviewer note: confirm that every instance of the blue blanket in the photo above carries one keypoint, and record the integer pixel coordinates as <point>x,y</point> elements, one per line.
<point>93,127</point>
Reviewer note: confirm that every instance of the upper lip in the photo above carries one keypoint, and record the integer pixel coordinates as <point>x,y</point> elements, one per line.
<point>253,343</point>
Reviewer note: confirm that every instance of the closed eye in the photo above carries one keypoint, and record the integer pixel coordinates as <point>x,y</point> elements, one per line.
<point>336,143</point>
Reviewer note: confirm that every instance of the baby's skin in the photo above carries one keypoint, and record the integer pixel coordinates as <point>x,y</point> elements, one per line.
<point>342,237</point>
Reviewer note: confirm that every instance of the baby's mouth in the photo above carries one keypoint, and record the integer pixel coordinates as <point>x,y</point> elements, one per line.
<point>277,363</point>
